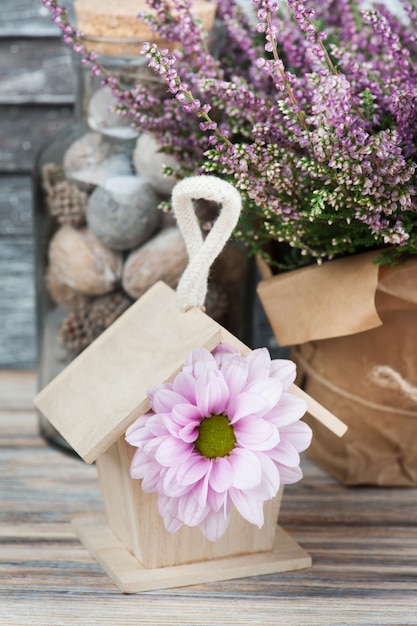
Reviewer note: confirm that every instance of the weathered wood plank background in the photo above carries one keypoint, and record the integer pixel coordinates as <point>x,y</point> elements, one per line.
<point>36,96</point>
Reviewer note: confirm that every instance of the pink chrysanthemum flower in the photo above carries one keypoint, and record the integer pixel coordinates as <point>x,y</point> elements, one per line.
<point>223,434</point>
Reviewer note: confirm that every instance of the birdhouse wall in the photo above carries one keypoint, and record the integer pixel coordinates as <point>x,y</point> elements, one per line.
<point>134,518</point>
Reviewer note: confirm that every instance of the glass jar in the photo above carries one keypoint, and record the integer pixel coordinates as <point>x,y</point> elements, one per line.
<point>75,300</point>
<point>89,192</point>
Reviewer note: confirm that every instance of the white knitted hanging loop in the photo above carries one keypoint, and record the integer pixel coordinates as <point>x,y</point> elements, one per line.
<point>192,288</point>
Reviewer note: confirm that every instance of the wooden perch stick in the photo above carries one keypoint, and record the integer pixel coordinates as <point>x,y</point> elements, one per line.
<point>321,414</point>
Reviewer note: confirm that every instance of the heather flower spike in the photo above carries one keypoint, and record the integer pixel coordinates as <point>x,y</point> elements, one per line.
<point>225,433</point>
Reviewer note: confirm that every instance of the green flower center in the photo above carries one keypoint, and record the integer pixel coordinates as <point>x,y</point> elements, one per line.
<point>215,437</point>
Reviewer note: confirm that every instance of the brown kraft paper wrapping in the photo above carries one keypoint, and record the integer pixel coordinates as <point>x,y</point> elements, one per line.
<point>380,446</point>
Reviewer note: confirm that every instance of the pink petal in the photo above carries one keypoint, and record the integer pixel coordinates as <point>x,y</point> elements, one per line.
<point>136,426</point>
<point>259,362</point>
<point>256,434</point>
<point>140,464</point>
<point>246,467</point>
<point>198,361</point>
<point>193,470</point>
<point>284,370</point>
<point>170,426</point>
<point>190,511</point>
<point>289,475</point>
<point>184,384</point>
<point>173,452</point>
<point>155,425</point>
<point>183,414</point>
<point>212,393</point>
<point>151,445</point>
<point>165,399</point>
<point>270,484</point>
<point>168,509</point>
<point>201,489</point>
<point>249,508</point>
<point>170,484</point>
<point>298,434</point>
<point>153,390</point>
<point>216,500</point>
<point>235,371</point>
<point>223,350</point>
<point>223,353</point>
<point>222,475</point>
<point>153,479</point>
<point>245,404</point>
<point>288,410</point>
<point>285,453</point>
<point>269,388</point>
<point>214,525</point>
<point>190,432</point>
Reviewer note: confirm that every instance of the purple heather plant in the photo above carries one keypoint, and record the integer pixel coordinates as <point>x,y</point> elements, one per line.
<point>308,108</point>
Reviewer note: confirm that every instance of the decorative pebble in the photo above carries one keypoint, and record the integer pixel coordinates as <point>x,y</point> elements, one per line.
<point>149,162</point>
<point>91,161</point>
<point>64,296</point>
<point>102,117</point>
<point>83,262</point>
<point>164,257</point>
<point>123,213</point>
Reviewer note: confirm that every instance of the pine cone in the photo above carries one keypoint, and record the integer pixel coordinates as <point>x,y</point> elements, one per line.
<point>66,202</point>
<point>89,317</point>
<point>106,309</point>
<point>77,331</point>
<point>52,173</point>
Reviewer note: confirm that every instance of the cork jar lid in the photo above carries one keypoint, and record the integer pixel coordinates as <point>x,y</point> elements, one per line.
<point>117,19</point>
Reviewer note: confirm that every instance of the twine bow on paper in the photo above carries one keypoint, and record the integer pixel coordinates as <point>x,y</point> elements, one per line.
<point>192,287</point>
<point>385,376</point>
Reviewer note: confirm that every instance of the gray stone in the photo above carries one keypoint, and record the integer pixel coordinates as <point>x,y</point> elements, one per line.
<point>103,118</point>
<point>149,162</point>
<point>91,160</point>
<point>123,213</point>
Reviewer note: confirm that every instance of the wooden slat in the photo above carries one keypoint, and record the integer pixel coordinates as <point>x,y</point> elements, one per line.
<point>17,389</point>
<point>35,71</point>
<point>24,130</point>
<point>28,18</point>
<point>17,307</point>
<point>17,327</point>
<point>16,206</point>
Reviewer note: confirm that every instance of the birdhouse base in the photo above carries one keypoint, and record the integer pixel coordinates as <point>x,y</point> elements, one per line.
<point>131,576</point>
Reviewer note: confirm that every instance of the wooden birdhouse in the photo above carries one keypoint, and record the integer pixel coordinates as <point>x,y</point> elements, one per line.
<point>92,403</point>
<point>105,389</point>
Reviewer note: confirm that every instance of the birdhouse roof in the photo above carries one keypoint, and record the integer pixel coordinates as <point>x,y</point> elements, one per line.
<point>104,389</point>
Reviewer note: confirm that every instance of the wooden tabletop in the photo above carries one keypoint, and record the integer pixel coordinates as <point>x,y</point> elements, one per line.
<point>363,543</point>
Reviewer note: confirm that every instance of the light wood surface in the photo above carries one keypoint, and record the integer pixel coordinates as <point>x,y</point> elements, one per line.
<point>363,543</point>
<point>131,577</point>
